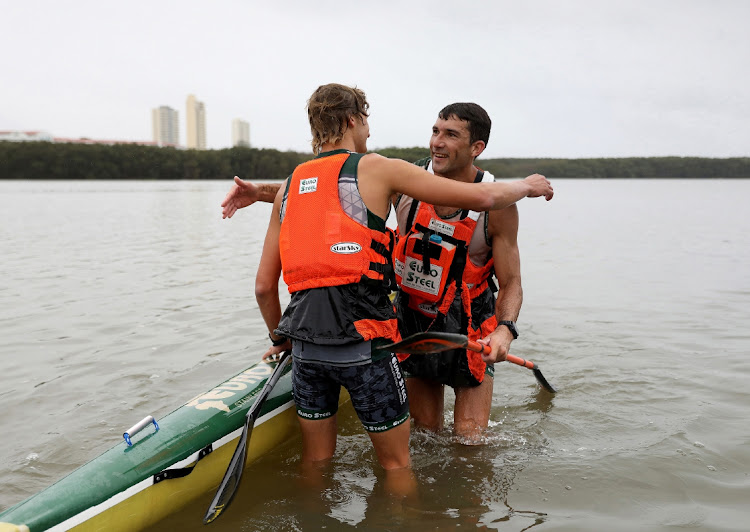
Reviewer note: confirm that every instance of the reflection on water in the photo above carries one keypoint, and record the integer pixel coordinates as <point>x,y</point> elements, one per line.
<point>120,300</point>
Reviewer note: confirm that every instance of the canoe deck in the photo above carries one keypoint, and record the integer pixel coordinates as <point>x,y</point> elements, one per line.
<point>122,489</point>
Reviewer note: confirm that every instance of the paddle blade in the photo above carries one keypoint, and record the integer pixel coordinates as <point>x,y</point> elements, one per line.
<point>533,367</point>
<point>431,342</point>
<point>231,480</point>
<point>543,382</point>
<point>435,342</point>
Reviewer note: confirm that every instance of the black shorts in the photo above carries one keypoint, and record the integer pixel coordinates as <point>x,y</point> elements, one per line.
<point>449,367</point>
<point>377,390</point>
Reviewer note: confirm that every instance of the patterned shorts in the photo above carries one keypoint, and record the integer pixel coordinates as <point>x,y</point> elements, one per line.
<point>377,390</point>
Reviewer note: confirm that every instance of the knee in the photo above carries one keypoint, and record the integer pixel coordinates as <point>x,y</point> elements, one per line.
<point>431,422</point>
<point>395,462</point>
<point>469,432</point>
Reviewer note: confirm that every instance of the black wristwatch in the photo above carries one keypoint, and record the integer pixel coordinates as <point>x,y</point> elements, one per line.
<point>276,343</point>
<point>510,325</point>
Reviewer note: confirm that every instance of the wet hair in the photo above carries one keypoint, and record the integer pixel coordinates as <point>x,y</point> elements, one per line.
<point>329,109</point>
<point>478,119</point>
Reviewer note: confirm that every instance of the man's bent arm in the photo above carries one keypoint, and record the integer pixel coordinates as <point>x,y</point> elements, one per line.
<point>503,233</point>
<point>268,275</point>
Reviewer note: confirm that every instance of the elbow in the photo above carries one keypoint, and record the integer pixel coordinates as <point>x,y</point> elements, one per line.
<point>265,289</point>
<point>486,201</point>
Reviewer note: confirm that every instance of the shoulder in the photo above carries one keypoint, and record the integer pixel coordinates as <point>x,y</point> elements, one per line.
<point>372,162</point>
<point>503,222</point>
<point>376,164</point>
<point>373,158</point>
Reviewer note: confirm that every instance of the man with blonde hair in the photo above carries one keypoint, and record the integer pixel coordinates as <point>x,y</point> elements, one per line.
<point>327,236</point>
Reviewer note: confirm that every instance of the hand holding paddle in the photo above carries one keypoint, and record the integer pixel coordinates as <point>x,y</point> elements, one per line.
<point>435,342</point>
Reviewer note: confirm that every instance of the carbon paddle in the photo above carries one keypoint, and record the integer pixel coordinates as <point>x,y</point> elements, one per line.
<point>435,342</point>
<point>231,480</point>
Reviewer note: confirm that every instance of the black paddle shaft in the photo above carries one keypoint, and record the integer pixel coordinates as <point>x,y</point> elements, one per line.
<point>231,480</point>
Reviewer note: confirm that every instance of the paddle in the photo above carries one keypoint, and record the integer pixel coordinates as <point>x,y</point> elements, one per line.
<point>231,480</point>
<point>435,342</point>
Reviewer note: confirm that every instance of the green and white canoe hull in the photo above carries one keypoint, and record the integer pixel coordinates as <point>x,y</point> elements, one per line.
<point>123,488</point>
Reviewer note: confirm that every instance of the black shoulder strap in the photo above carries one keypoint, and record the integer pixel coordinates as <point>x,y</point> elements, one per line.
<point>285,197</point>
<point>424,163</point>
<point>412,213</point>
<point>477,179</point>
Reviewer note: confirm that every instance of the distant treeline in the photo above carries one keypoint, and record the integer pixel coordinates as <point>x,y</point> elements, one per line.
<point>44,160</point>
<point>626,167</point>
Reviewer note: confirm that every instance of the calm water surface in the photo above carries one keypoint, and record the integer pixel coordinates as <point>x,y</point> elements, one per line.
<point>122,299</point>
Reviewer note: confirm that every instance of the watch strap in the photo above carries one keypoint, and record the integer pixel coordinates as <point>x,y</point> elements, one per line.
<point>276,343</point>
<point>511,325</point>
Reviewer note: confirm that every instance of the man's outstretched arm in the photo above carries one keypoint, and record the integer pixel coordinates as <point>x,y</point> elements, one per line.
<point>245,193</point>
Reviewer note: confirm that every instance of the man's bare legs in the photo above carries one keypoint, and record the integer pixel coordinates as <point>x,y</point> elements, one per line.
<point>426,403</point>
<point>472,411</point>
<point>391,448</point>
<point>318,438</point>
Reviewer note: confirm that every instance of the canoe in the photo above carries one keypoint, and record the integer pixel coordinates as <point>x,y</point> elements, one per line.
<point>170,463</point>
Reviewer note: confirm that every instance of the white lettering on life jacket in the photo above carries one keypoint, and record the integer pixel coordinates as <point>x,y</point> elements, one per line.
<point>442,227</point>
<point>417,279</point>
<point>308,185</point>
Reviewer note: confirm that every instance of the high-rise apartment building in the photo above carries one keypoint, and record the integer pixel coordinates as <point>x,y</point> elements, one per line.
<point>166,126</point>
<point>196,124</point>
<point>240,132</point>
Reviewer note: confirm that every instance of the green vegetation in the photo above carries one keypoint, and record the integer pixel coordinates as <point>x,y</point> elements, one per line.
<point>627,167</point>
<point>44,160</point>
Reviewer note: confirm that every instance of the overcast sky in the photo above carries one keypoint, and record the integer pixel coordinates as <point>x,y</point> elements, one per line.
<point>573,78</point>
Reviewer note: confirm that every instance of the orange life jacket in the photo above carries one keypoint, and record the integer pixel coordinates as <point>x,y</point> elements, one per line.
<point>432,268</point>
<point>323,246</point>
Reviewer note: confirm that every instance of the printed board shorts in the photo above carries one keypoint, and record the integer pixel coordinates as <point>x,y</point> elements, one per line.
<point>377,390</point>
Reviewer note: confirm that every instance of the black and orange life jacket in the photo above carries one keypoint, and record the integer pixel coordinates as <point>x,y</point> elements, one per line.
<point>432,269</point>
<point>322,245</point>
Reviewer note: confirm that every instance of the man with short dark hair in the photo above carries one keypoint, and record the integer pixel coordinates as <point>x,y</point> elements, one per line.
<point>465,304</point>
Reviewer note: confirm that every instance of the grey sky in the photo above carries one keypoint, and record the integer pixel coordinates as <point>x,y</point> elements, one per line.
<point>574,78</point>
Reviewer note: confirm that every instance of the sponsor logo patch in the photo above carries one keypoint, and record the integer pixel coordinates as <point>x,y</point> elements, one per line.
<point>308,185</point>
<point>417,279</point>
<point>398,267</point>
<point>346,248</point>
<point>442,227</point>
